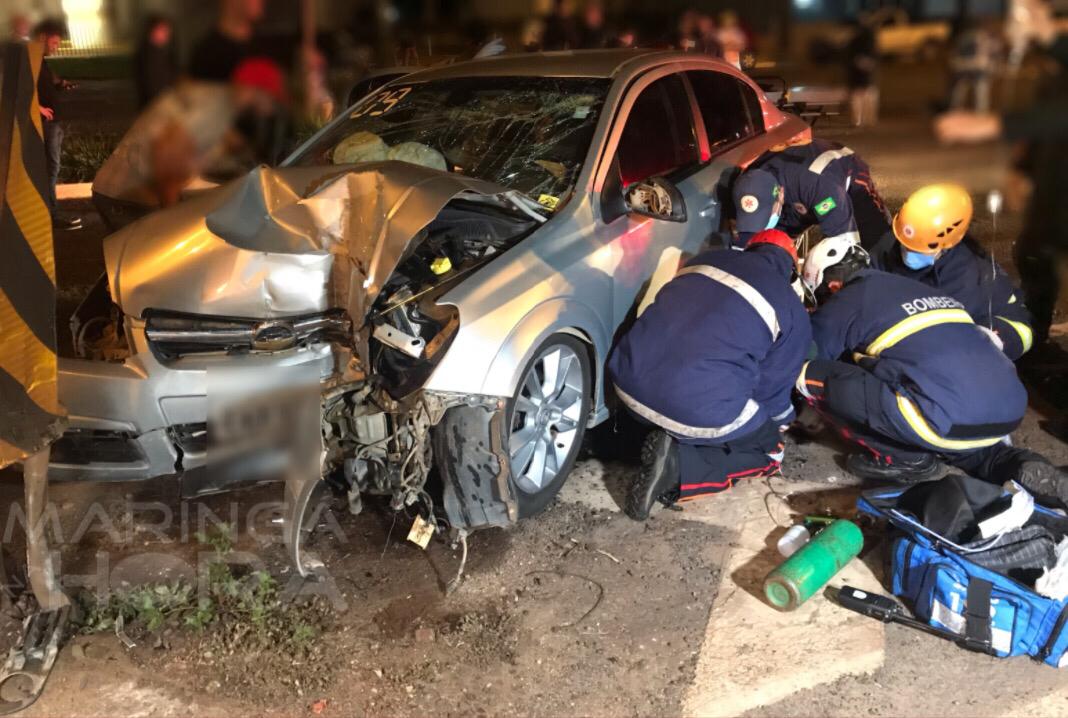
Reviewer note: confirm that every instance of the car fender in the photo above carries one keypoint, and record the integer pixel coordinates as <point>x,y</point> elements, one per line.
<point>562,315</point>
<point>500,375</point>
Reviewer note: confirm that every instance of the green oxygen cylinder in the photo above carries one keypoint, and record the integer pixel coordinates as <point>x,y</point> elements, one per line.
<point>797,578</point>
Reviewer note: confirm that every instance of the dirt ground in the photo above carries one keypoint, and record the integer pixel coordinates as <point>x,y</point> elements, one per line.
<point>578,593</point>
<point>578,611</point>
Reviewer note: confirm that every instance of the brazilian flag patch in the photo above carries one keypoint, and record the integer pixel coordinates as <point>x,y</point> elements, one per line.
<point>825,206</point>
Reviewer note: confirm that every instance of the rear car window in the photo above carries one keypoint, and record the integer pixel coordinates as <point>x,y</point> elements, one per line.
<point>659,135</point>
<point>729,107</point>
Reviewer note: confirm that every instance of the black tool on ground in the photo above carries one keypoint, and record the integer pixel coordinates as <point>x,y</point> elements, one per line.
<point>887,610</point>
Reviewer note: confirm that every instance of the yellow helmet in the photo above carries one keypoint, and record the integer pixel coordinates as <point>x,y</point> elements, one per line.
<point>934,218</point>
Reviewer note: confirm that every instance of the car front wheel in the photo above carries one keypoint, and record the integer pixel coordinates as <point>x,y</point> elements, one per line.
<point>547,420</point>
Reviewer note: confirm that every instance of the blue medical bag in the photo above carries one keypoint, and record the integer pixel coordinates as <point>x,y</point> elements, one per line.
<point>949,590</point>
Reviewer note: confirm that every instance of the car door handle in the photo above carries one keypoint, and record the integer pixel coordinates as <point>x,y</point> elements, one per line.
<point>709,208</point>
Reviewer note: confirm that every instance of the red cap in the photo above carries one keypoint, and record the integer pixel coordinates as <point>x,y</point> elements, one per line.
<point>263,74</point>
<point>776,237</point>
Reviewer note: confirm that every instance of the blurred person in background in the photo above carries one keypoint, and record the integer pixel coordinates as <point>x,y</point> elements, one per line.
<point>708,36</point>
<point>560,32</point>
<point>862,64</point>
<point>1044,241</point>
<point>20,27</point>
<point>626,39</point>
<point>319,103</point>
<point>975,58</point>
<point>732,38</point>
<point>232,40</point>
<point>686,33</point>
<point>50,33</point>
<point>592,33</point>
<point>483,41</point>
<point>155,59</point>
<point>531,33</point>
<point>180,135</point>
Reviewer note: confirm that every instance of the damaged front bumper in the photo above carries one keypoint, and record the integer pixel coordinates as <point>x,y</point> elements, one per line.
<point>141,418</point>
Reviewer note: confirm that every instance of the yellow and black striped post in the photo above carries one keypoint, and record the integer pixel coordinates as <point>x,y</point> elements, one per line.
<point>30,414</point>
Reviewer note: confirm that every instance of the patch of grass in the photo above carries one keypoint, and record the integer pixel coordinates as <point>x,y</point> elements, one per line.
<point>83,155</point>
<point>245,609</point>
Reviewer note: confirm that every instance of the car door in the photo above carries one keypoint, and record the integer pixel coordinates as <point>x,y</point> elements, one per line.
<point>729,112</point>
<point>655,135</point>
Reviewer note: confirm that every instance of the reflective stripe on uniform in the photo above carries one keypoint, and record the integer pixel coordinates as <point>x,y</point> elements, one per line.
<point>1026,335</point>
<point>924,431</point>
<point>693,432</point>
<point>826,158</point>
<point>748,293</point>
<point>780,417</point>
<point>916,323</point>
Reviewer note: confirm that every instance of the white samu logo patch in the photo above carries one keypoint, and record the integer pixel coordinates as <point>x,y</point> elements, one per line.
<point>750,203</point>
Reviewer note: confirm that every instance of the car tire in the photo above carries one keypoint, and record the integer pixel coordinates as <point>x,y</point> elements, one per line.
<point>544,434</point>
<point>472,442</point>
<point>556,441</point>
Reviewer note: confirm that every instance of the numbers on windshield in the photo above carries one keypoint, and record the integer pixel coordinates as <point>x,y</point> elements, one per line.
<point>381,104</point>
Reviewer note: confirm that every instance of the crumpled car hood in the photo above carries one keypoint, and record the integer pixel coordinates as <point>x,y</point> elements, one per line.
<point>285,241</point>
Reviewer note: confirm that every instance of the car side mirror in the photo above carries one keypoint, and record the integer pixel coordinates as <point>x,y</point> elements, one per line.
<point>657,198</point>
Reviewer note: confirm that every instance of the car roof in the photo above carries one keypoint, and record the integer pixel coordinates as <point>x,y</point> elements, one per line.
<point>565,63</point>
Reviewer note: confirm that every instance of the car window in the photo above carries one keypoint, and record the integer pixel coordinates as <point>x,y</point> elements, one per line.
<point>659,135</point>
<point>729,107</point>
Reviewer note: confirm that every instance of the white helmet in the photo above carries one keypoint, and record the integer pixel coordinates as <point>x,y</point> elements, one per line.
<point>829,252</point>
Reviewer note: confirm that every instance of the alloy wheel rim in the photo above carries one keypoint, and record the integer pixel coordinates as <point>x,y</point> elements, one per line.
<point>545,418</point>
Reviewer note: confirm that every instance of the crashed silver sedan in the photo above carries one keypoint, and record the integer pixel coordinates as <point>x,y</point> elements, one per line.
<point>448,261</point>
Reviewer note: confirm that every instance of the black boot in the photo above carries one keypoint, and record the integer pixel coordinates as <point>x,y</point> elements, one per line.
<point>1047,483</point>
<point>867,466</point>
<point>659,476</point>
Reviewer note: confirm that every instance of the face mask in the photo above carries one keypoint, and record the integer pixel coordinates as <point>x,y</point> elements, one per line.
<point>772,221</point>
<point>916,260</point>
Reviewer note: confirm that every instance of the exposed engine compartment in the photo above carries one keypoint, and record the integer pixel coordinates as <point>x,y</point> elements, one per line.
<point>377,430</point>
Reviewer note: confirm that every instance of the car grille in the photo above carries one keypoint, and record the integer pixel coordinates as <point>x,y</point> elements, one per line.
<point>81,447</point>
<point>174,335</point>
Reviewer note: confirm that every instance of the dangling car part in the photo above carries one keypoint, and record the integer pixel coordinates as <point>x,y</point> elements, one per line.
<point>451,258</point>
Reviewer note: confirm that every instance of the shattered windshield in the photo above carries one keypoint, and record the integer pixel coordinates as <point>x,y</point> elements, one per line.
<point>529,134</point>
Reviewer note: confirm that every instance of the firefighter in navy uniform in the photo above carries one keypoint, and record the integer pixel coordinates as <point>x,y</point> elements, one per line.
<point>711,364</point>
<point>929,242</point>
<point>793,187</point>
<point>906,374</point>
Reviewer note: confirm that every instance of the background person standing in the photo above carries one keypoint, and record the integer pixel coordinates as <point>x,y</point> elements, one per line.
<point>50,33</point>
<point>974,60</point>
<point>561,32</point>
<point>232,40</point>
<point>1044,241</point>
<point>155,60</point>
<point>862,64</point>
